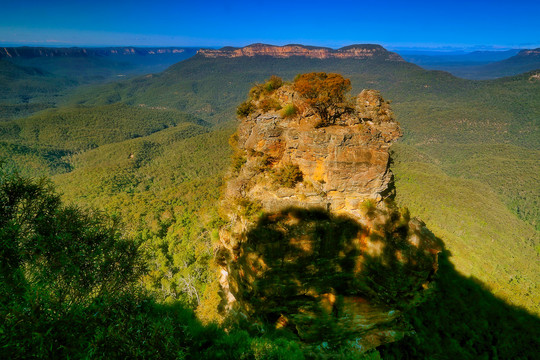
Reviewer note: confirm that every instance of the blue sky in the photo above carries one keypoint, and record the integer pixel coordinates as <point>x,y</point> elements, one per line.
<point>477,24</point>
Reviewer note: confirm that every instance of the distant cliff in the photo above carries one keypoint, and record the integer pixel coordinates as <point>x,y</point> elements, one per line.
<point>529,52</point>
<point>314,241</point>
<point>33,52</point>
<point>365,51</point>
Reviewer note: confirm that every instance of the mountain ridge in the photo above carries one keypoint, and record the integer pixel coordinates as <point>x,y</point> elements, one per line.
<point>481,65</point>
<point>33,52</point>
<point>355,51</point>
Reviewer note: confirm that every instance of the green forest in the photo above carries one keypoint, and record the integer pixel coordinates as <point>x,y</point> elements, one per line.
<point>110,212</point>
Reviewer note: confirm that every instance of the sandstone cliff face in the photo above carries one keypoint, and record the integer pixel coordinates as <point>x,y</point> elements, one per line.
<point>349,52</point>
<point>342,164</point>
<point>314,242</point>
<point>530,52</point>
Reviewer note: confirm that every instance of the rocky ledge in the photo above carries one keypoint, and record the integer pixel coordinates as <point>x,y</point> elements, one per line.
<point>361,51</point>
<point>314,243</point>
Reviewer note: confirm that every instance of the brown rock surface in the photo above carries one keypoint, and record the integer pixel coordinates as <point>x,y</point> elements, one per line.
<point>364,51</point>
<point>314,242</point>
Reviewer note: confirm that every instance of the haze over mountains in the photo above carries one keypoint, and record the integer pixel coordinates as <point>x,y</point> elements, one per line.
<point>131,60</point>
<point>479,64</point>
<point>153,149</point>
<point>35,78</point>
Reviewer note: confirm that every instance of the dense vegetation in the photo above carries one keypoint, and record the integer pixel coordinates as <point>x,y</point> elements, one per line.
<point>82,128</point>
<point>433,107</point>
<point>69,289</point>
<point>463,320</point>
<point>33,81</point>
<point>466,166</point>
<point>166,187</point>
<point>42,141</point>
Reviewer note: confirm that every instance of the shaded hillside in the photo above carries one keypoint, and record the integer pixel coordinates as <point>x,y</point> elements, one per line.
<point>42,144</point>
<point>81,128</point>
<point>486,239</point>
<point>476,66</point>
<point>35,78</point>
<point>25,89</point>
<point>525,60</point>
<point>463,320</point>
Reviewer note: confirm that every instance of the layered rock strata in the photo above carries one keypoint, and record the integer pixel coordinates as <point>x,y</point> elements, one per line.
<point>314,242</point>
<point>362,51</point>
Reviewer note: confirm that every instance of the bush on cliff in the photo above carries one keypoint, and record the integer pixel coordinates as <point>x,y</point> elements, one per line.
<point>289,111</point>
<point>274,83</point>
<point>245,109</point>
<point>268,104</point>
<point>288,175</point>
<point>325,93</point>
<point>266,88</point>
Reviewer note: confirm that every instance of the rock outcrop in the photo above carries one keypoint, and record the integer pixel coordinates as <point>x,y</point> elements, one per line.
<point>314,242</point>
<point>529,53</point>
<point>362,51</point>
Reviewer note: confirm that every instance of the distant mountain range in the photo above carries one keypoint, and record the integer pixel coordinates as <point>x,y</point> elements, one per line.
<point>33,78</point>
<point>480,65</point>
<point>476,65</point>
<point>441,57</point>
<point>34,52</point>
<point>358,51</point>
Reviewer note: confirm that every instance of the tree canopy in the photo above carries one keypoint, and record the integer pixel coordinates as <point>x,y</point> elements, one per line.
<point>65,254</point>
<point>325,93</point>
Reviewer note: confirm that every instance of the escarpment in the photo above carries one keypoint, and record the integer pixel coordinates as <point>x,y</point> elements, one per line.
<point>314,243</point>
<point>361,51</point>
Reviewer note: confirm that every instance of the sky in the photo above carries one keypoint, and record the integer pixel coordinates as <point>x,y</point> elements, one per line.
<point>334,23</point>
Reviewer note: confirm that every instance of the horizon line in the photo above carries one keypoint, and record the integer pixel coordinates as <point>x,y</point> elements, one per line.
<point>419,47</point>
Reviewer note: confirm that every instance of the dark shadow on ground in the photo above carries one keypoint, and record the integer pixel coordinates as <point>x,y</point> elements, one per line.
<point>459,318</point>
<point>463,320</point>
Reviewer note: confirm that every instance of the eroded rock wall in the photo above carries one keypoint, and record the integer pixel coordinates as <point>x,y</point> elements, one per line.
<point>366,51</point>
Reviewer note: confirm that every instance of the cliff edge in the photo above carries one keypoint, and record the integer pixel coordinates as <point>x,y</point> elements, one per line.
<point>359,51</point>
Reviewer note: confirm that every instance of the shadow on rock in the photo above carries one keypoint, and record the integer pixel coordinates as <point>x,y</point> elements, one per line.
<point>329,278</point>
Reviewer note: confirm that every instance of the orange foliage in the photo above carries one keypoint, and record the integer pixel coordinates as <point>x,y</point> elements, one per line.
<point>325,93</point>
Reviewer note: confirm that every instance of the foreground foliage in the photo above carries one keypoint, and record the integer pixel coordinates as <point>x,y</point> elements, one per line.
<point>68,289</point>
